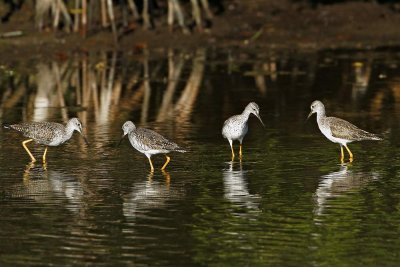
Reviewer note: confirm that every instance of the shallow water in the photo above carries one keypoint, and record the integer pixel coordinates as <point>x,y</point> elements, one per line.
<point>288,203</point>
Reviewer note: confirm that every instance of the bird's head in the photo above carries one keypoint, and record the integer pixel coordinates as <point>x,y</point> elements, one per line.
<point>126,128</point>
<point>253,108</point>
<point>316,107</point>
<point>76,125</point>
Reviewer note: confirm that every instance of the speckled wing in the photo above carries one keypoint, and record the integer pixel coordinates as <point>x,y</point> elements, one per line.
<point>41,132</point>
<point>345,130</point>
<point>150,140</point>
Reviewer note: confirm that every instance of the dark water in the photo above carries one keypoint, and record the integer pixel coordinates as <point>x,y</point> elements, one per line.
<point>288,203</point>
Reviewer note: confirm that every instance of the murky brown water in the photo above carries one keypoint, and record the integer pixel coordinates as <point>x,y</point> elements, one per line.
<point>289,202</point>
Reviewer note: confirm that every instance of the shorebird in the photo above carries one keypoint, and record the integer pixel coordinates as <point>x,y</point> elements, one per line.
<point>338,130</point>
<point>47,133</point>
<point>149,142</point>
<point>235,128</point>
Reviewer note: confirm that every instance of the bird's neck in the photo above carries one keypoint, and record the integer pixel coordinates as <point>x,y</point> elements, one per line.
<point>320,115</point>
<point>69,130</point>
<point>245,114</point>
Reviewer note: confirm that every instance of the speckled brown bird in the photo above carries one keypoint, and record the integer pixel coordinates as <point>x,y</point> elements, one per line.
<point>338,130</point>
<point>47,133</point>
<point>149,142</point>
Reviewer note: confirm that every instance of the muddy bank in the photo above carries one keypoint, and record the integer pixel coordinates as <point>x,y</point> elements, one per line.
<point>251,25</point>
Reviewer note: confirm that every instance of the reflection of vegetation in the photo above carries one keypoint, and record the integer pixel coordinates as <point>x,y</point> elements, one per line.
<point>264,213</point>
<point>98,84</point>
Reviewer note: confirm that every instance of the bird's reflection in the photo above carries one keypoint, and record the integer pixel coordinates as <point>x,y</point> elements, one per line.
<point>236,189</point>
<point>337,183</point>
<point>153,193</point>
<point>49,187</point>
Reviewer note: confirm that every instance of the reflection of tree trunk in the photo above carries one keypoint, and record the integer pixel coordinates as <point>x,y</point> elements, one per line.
<point>84,91</point>
<point>175,70</point>
<point>13,100</point>
<point>377,102</point>
<point>186,102</point>
<point>61,99</point>
<point>396,93</point>
<point>106,91</point>
<point>259,77</point>
<point>94,95</point>
<point>131,102</point>
<point>132,82</point>
<point>147,91</point>
<point>131,99</point>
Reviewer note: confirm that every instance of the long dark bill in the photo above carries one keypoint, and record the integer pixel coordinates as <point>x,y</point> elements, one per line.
<point>120,141</point>
<point>309,115</point>
<point>86,141</point>
<point>258,116</point>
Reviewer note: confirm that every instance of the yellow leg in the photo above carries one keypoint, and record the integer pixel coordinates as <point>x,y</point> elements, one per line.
<point>351,154</point>
<point>27,150</point>
<point>240,151</point>
<point>44,155</point>
<point>166,162</point>
<point>342,154</point>
<point>151,165</point>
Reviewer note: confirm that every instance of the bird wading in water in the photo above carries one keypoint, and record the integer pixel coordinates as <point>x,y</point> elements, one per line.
<point>235,128</point>
<point>338,130</point>
<point>149,142</point>
<point>47,133</point>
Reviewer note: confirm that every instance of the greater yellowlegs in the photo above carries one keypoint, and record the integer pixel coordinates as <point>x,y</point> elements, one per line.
<point>47,133</point>
<point>235,128</point>
<point>149,142</point>
<point>338,130</point>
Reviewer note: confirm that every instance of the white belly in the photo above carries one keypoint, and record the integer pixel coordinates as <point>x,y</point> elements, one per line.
<point>328,134</point>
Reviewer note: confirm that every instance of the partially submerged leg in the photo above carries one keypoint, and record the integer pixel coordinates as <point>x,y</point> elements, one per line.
<point>341,154</point>
<point>240,151</point>
<point>44,155</point>
<point>166,162</point>
<point>233,152</point>
<point>151,164</point>
<point>351,154</point>
<point>27,150</point>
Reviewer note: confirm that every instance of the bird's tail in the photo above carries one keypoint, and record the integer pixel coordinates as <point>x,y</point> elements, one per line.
<point>181,150</point>
<point>7,126</point>
<point>371,136</point>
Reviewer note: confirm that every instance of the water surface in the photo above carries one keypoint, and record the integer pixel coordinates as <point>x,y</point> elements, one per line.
<point>289,202</point>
